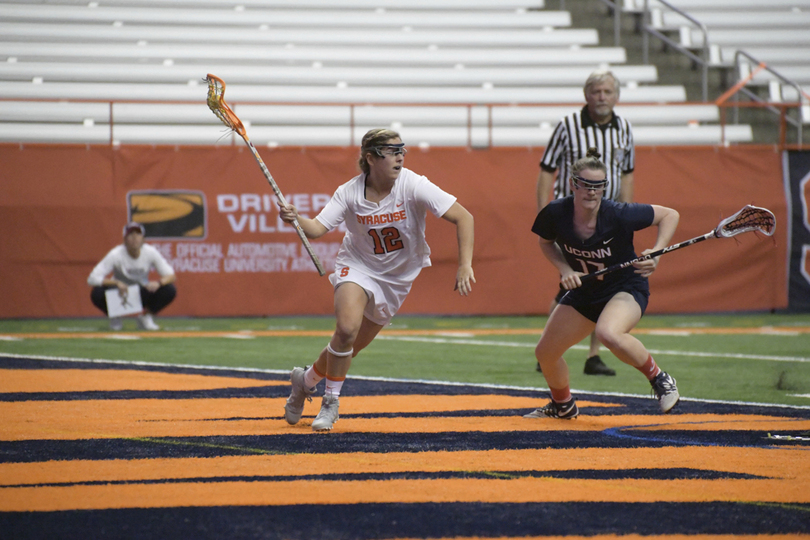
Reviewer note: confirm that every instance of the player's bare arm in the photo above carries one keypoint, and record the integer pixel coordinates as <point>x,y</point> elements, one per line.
<point>312,227</point>
<point>465,225</point>
<point>154,285</point>
<point>112,282</point>
<point>569,279</point>
<point>545,180</point>
<point>666,219</point>
<point>626,191</point>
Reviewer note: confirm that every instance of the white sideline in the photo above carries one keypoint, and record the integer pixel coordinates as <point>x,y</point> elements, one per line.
<point>385,379</point>
<point>653,351</point>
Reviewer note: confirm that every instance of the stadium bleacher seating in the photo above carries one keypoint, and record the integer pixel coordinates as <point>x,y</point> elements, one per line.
<point>696,6</point>
<point>324,4</point>
<point>318,72</point>
<point>773,32</point>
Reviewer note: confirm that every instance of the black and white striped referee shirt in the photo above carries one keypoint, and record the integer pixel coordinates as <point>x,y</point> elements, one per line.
<point>571,139</point>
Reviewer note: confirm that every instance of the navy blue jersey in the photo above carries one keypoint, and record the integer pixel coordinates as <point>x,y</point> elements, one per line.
<point>612,243</point>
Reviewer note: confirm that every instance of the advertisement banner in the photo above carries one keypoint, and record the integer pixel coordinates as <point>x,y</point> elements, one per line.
<point>797,191</point>
<point>211,213</point>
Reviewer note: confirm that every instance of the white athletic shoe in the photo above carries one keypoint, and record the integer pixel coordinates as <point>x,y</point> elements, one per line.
<point>116,324</point>
<point>145,322</point>
<point>299,392</point>
<point>328,415</point>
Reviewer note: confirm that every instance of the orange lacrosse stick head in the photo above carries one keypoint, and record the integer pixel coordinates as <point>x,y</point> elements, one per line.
<point>216,102</point>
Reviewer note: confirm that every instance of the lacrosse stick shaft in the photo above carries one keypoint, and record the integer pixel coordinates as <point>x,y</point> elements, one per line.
<point>283,201</point>
<point>750,218</point>
<point>216,102</point>
<point>648,256</point>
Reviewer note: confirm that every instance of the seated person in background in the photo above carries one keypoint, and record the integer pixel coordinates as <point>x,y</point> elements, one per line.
<point>130,264</point>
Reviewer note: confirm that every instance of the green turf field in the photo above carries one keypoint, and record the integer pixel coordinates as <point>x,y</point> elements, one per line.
<point>753,358</point>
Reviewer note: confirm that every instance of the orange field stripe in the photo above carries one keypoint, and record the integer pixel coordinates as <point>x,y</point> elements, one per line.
<point>778,463</point>
<point>415,332</point>
<point>87,380</point>
<point>326,492</point>
<point>631,537</point>
<point>71,420</point>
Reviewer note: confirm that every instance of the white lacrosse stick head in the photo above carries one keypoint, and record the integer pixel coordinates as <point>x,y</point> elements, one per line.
<point>750,218</point>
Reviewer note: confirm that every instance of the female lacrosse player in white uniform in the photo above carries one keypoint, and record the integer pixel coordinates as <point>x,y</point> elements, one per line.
<point>383,251</point>
<point>583,233</point>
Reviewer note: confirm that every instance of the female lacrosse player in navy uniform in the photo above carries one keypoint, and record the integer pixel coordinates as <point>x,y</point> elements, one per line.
<point>583,233</point>
<point>383,251</point>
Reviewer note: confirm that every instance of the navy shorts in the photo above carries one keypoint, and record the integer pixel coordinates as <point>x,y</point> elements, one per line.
<point>560,294</point>
<point>591,309</point>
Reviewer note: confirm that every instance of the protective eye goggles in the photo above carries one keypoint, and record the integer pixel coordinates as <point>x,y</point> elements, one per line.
<point>584,183</point>
<point>391,150</point>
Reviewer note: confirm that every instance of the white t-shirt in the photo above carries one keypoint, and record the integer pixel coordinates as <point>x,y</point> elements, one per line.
<point>386,239</point>
<point>128,270</point>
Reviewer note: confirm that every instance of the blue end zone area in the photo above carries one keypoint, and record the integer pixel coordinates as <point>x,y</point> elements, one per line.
<point>765,441</point>
<point>373,521</point>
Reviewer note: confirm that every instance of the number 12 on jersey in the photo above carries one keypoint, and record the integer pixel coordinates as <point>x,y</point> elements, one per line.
<point>386,240</point>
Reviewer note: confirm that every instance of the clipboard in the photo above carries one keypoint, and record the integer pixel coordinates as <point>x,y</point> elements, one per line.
<point>118,306</point>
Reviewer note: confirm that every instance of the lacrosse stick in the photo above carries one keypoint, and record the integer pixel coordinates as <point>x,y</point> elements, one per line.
<point>216,102</point>
<point>750,218</point>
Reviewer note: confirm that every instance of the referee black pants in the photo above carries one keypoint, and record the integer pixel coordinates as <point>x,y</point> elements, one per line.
<point>152,302</point>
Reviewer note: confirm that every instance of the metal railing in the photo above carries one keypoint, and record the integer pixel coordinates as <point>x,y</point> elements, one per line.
<point>617,21</point>
<point>648,29</point>
<point>780,108</point>
<point>478,120</point>
<point>703,62</point>
<point>737,89</point>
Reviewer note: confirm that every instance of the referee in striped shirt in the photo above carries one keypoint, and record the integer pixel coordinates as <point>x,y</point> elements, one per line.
<point>596,125</point>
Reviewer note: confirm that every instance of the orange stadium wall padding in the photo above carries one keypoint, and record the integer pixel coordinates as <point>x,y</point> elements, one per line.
<point>211,212</point>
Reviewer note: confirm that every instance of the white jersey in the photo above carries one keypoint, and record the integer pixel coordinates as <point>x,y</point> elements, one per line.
<point>386,239</point>
<point>128,270</point>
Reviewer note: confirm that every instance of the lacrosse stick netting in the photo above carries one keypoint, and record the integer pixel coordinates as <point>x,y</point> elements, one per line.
<point>750,218</point>
<point>216,102</point>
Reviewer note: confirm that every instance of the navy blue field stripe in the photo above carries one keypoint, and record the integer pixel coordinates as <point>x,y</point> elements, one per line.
<point>681,473</point>
<point>308,443</point>
<point>365,387</point>
<point>103,395</point>
<point>354,387</point>
<point>426,520</point>
<point>628,405</point>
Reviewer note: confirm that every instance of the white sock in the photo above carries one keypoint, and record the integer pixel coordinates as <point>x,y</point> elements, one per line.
<point>333,387</point>
<point>311,377</point>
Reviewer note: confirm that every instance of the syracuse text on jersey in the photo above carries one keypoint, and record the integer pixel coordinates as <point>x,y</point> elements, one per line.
<point>380,219</point>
